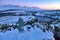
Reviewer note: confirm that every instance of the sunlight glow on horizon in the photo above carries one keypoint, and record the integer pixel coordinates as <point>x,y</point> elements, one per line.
<point>50,6</point>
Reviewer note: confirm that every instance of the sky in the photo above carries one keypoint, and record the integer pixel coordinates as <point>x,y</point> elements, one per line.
<point>43,4</point>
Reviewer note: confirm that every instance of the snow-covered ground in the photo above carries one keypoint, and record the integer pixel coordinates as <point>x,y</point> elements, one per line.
<point>14,19</point>
<point>35,34</point>
<point>42,28</point>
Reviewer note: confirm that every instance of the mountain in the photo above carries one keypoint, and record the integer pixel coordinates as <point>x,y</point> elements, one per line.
<point>14,10</point>
<point>15,7</point>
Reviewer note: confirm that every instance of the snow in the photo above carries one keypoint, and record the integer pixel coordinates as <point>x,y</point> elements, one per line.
<point>40,14</point>
<point>35,34</point>
<point>9,19</point>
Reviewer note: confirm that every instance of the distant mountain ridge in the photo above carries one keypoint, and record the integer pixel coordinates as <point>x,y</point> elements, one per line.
<point>7,7</point>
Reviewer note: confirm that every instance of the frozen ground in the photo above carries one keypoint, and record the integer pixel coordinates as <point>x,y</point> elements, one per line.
<point>42,30</point>
<point>35,34</point>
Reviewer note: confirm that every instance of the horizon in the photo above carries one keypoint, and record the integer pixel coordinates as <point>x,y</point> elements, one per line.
<point>43,4</point>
